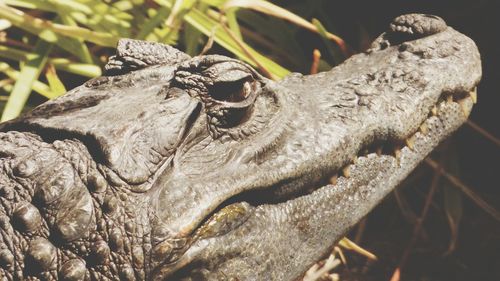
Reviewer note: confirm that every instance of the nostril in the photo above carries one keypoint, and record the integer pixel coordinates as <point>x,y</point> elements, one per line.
<point>403,47</point>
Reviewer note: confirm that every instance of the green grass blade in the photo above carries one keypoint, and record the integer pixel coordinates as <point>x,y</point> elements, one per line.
<point>153,22</point>
<point>32,4</point>
<point>4,24</point>
<point>17,19</point>
<point>193,37</point>
<point>331,48</point>
<point>203,23</point>
<point>124,5</point>
<point>174,20</point>
<point>5,87</point>
<point>14,54</point>
<point>39,87</point>
<point>206,25</point>
<point>83,69</point>
<point>279,12</point>
<point>47,30</point>
<point>232,22</point>
<point>71,6</point>
<point>214,3</point>
<point>80,49</point>
<point>281,38</point>
<point>55,83</point>
<point>29,73</point>
<point>175,12</point>
<point>192,40</point>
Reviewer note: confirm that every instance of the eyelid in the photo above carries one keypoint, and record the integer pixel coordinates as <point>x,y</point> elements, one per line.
<point>227,72</point>
<point>219,105</point>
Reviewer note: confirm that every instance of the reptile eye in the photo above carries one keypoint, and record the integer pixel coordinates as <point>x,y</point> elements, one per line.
<point>234,91</point>
<point>232,101</point>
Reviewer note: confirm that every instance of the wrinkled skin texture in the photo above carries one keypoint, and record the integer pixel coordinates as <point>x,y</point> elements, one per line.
<point>172,167</point>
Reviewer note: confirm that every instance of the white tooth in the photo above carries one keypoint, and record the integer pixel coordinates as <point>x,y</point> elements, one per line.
<point>434,111</point>
<point>397,153</point>
<point>473,95</point>
<point>449,98</point>
<point>423,129</point>
<point>346,171</point>
<point>410,142</point>
<point>465,109</point>
<point>333,179</point>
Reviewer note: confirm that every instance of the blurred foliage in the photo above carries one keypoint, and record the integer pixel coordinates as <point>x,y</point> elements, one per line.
<point>41,38</point>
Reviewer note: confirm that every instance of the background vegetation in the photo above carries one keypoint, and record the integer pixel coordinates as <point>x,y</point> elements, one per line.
<point>441,224</point>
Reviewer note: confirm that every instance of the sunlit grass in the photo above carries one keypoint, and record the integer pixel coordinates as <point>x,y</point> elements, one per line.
<point>76,36</point>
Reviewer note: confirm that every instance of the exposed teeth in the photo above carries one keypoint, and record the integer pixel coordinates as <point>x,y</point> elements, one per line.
<point>473,95</point>
<point>410,142</point>
<point>449,98</point>
<point>423,129</point>
<point>464,108</point>
<point>434,111</point>
<point>333,179</point>
<point>346,171</point>
<point>397,152</point>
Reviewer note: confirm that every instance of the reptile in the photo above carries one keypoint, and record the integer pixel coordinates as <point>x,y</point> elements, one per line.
<point>171,167</point>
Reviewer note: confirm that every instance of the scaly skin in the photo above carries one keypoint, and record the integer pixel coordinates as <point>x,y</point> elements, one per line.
<point>171,167</point>
<point>61,219</point>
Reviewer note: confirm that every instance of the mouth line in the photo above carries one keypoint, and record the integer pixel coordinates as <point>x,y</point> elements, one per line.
<point>386,147</point>
<point>233,212</point>
<point>393,148</point>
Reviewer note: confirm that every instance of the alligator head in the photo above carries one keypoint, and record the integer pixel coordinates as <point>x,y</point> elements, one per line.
<point>174,167</point>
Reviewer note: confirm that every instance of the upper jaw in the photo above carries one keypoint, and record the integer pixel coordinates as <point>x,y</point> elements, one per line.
<point>381,97</point>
